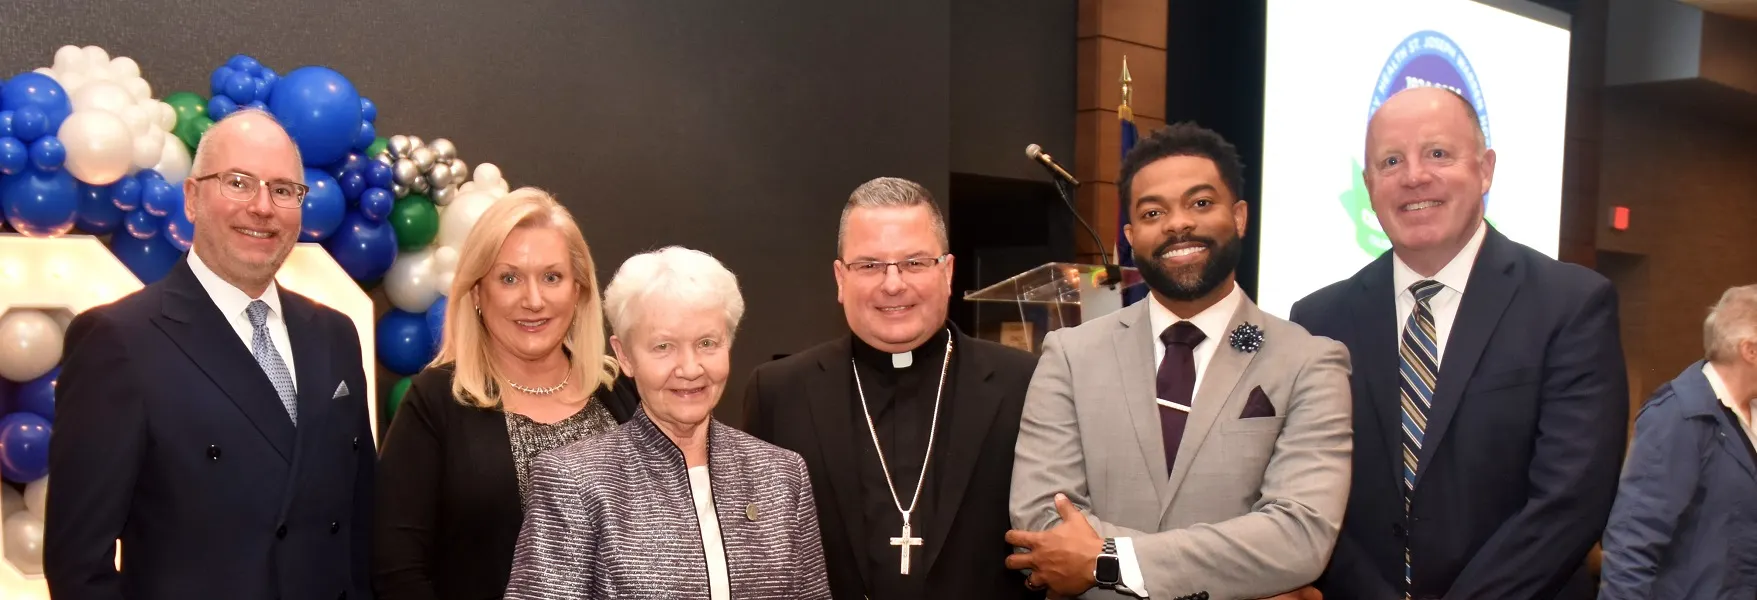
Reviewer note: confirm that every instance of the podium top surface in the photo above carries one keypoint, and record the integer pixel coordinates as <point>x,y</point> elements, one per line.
<point>1051,283</point>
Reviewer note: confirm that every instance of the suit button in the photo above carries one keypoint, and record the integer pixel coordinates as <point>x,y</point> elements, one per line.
<point>281,532</point>
<point>334,526</point>
<point>1398,530</point>
<point>213,452</point>
<point>356,443</point>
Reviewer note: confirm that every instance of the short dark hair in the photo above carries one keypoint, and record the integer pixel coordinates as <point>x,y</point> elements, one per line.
<point>1183,139</point>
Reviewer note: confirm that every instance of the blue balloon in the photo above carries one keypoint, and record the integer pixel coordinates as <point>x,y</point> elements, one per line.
<point>243,62</point>
<point>436,321</point>
<point>6,394</point>
<point>379,175</point>
<point>14,156</point>
<point>125,193</point>
<point>29,123</point>
<point>375,203</point>
<point>268,76</point>
<point>404,342</point>
<point>48,153</point>
<point>321,110</point>
<point>142,224</point>
<point>257,105</point>
<point>241,88</point>
<point>324,207</point>
<point>363,247</point>
<point>98,215</point>
<point>5,123</point>
<point>149,258</point>
<point>352,184</point>
<point>220,106</point>
<point>41,203</point>
<point>368,134</point>
<point>368,109</point>
<point>37,396</point>
<point>216,83</point>
<point>262,90</point>
<point>146,175</point>
<point>160,198</point>
<point>179,231</point>
<point>24,447</point>
<point>39,91</point>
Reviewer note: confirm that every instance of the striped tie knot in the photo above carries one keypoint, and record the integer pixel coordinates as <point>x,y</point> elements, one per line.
<point>1425,289</point>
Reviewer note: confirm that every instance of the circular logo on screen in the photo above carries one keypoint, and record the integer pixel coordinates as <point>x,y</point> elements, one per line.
<point>1424,59</point>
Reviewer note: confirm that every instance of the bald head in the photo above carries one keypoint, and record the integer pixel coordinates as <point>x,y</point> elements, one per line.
<point>249,128</point>
<point>1430,102</point>
<point>241,233</point>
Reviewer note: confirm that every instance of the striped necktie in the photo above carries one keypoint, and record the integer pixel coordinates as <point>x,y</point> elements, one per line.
<point>1419,370</point>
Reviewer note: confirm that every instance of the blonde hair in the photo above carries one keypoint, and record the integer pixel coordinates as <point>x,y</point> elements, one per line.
<point>476,381</point>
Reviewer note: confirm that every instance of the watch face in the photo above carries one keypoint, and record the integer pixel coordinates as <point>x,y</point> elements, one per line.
<point>1108,570</point>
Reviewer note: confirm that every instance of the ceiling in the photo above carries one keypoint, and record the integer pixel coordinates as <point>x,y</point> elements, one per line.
<point>1743,9</point>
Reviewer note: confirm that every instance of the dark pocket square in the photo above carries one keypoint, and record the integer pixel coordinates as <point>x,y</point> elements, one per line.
<point>1258,405</point>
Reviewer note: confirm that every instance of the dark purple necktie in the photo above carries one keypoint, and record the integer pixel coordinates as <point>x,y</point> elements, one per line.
<point>1177,384</point>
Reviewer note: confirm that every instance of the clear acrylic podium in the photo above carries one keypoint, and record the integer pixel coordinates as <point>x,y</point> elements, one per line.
<point>1021,309</point>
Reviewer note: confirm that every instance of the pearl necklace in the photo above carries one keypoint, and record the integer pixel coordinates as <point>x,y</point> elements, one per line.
<point>540,391</point>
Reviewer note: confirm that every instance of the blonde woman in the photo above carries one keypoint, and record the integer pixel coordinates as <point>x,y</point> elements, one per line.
<point>522,370</point>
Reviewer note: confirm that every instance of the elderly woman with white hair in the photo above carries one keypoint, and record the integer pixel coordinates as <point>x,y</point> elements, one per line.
<point>1684,526</point>
<point>673,503</point>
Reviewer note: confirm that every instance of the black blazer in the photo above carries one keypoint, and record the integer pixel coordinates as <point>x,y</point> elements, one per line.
<point>1520,461</point>
<point>448,497</point>
<point>170,437</point>
<point>804,403</point>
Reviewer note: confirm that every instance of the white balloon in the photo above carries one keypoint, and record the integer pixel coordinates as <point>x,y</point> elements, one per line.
<point>135,117</point>
<point>124,68</point>
<point>10,500</point>
<point>487,173</point>
<point>100,149</point>
<point>147,151</point>
<point>138,87</point>
<point>411,283</point>
<point>24,542</point>
<point>96,58</point>
<point>165,116</point>
<point>173,160</point>
<point>51,73</point>
<point>72,82</point>
<point>445,262</point>
<point>36,497</point>
<point>102,95</point>
<point>69,59</point>
<point>30,344</point>
<point>62,319</point>
<point>461,215</point>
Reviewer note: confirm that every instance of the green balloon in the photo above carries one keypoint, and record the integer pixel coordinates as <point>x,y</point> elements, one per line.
<point>394,401</point>
<point>192,131</point>
<point>415,221</point>
<point>187,105</point>
<point>377,147</point>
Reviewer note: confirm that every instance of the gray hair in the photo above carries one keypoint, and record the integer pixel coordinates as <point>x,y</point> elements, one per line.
<point>204,151</point>
<point>893,192</point>
<point>673,274</point>
<point>1731,321</point>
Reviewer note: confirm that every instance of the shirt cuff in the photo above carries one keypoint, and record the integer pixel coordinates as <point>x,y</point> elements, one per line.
<point>1131,568</point>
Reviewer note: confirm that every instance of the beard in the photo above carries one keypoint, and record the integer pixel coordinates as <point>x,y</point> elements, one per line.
<point>1191,282</point>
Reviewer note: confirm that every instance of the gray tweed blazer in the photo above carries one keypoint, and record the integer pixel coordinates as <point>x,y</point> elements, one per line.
<point>612,516</point>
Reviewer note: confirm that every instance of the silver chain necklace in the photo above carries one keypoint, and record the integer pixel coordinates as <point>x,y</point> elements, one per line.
<point>905,541</point>
<point>541,391</point>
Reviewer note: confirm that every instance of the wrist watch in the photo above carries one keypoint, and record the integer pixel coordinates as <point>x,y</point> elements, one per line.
<point>1109,571</point>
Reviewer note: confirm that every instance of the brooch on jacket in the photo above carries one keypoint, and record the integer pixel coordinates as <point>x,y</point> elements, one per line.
<point>1247,338</point>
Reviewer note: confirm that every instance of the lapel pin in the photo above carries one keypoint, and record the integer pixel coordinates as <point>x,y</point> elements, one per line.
<point>1247,338</point>
<point>750,511</point>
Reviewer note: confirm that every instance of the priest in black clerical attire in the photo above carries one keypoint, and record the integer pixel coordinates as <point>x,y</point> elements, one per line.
<point>909,446</point>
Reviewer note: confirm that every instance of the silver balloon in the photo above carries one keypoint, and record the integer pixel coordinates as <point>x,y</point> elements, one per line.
<point>420,185</point>
<point>414,142</point>
<point>460,172</point>
<point>386,158</point>
<point>443,150</point>
<point>442,196</point>
<point>398,146</point>
<point>399,190</point>
<point>440,176</point>
<point>423,157</point>
<point>406,172</point>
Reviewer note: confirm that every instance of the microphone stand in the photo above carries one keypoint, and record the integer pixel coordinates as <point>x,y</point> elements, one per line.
<point>1113,273</point>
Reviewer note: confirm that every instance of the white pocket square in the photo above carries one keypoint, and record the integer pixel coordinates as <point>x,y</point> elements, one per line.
<point>341,390</point>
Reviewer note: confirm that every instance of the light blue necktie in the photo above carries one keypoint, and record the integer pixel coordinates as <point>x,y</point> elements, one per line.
<point>1419,371</point>
<point>263,347</point>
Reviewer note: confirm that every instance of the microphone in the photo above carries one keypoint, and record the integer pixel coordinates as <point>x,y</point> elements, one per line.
<point>1064,184</point>
<point>1035,152</point>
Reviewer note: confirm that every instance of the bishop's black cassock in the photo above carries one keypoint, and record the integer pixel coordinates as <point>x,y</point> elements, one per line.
<point>808,403</point>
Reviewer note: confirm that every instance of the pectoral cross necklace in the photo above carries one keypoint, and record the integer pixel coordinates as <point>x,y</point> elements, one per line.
<point>905,541</point>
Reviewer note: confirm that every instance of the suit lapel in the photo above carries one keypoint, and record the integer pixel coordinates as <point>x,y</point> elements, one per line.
<point>1494,279</point>
<point>1375,321</point>
<point>961,442</point>
<point>195,324</point>
<point>1218,380</point>
<point>832,416</point>
<point>1133,343</point>
<point>312,365</point>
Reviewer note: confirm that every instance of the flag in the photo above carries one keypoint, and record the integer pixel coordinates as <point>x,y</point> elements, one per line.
<point>1125,255</point>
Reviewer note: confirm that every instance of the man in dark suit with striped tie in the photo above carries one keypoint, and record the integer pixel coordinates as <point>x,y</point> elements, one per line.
<point>214,423</point>
<point>1489,388</point>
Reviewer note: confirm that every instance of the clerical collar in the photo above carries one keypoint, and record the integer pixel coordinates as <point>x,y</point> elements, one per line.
<point>928,353</point>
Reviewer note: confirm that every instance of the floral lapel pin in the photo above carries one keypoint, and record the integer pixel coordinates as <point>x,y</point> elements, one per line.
<point>1247,338</point>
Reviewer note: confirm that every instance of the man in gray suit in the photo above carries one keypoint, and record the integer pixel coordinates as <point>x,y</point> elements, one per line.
<point>1204,442</point>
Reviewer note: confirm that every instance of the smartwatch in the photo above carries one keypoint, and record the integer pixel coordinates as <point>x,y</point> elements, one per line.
<point>1109,570</point>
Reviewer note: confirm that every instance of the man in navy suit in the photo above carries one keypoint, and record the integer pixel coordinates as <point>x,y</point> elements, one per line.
<point>214,423</point>
<point>1490,397</point>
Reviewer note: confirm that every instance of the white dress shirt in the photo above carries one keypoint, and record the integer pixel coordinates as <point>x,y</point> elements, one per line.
<point>233,303</point>
<point>1726,397</point>
<point>719,587</point>
<point>1212,321</point>
<point>1445,302</point>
